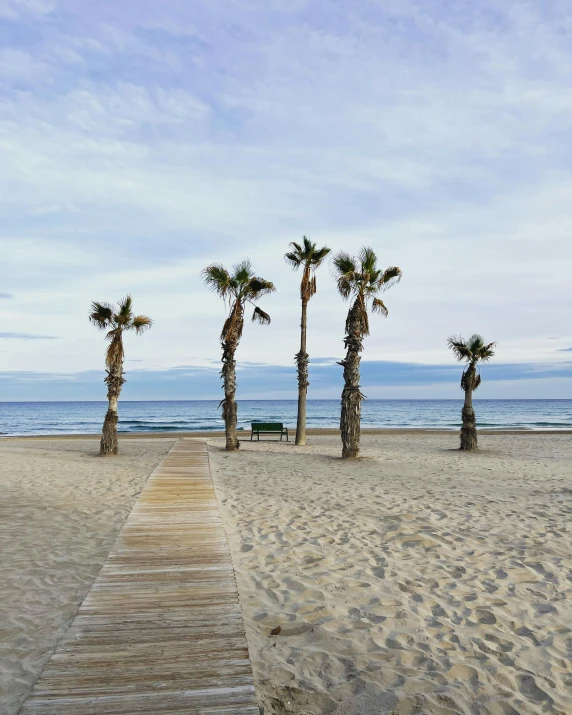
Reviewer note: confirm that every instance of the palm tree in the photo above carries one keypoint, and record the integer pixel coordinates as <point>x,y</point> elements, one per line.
<point>240,286</point>
<point>473,351</point>
<point>361,280</point>
<point>116,320</point>
<point>309,257</point>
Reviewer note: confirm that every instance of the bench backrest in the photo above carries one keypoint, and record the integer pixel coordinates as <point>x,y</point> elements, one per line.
<point>267,426</point>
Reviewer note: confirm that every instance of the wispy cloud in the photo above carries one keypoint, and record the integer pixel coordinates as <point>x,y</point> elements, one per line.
<point>6,296</point>
<point>26,336</point>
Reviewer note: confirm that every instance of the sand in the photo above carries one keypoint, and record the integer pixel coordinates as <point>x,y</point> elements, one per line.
<point>416,580</point>
<point>61,508</point>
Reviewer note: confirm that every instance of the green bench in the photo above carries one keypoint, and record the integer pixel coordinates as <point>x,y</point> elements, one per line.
<point>258,428</point>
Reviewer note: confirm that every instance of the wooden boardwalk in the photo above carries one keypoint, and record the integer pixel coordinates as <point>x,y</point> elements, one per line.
<point>161,630</point>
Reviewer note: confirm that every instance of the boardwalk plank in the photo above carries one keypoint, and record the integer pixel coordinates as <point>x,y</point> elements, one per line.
<point>160,631</point>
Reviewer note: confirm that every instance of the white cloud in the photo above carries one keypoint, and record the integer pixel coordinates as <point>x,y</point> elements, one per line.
<point>163,140</point>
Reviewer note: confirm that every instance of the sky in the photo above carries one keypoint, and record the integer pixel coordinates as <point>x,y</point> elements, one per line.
<point>141,141</point>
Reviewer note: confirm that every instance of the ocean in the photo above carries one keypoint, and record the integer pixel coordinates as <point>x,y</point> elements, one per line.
<point>52,418</point>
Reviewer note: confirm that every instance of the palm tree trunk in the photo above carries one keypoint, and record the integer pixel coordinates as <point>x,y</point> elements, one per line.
<point>229,407</point>
<point>469,428</point>
<point>350,420</point>
<point>114,381</point>
<point>302,360</point>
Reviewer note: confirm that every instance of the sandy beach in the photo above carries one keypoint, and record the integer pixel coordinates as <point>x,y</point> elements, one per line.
<point>416,580</point>
<point>61,509</point>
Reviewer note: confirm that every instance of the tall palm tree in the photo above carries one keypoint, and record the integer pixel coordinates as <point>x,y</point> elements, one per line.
<point>308,257</point>
<point>239,286</point>
<point>116,320</point>
<point>360,280</point>
<point>473,351</point>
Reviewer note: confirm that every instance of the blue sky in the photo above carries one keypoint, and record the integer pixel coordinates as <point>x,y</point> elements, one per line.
<point>142,140</point>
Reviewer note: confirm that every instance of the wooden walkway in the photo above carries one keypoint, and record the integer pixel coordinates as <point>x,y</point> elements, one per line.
<point>161,630</point>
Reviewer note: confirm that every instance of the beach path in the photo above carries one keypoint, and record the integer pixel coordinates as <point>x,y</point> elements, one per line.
<point>161,630</point>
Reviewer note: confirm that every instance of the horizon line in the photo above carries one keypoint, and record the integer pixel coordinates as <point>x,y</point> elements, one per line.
<point>294,399</point>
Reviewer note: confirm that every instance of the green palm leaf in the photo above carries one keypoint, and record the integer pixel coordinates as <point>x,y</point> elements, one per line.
<point>360,278</point>
<point>101,315</point>
<point>217,278</point>
<point>472,350</point>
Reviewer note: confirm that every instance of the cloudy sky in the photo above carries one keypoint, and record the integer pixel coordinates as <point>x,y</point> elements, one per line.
<point>142,140</point>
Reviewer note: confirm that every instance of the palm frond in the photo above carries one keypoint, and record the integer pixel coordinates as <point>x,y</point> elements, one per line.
<point>260,316</point>
<point>473,350</point>
<point>389,277</point>
<point>369,282</point>
<point>124,310</point>
<point>309,247</point>
<point>475,342</point>
<point>345,286</point>
<point>480,350</point>
<point>459,347</point>
<point>345,272</point>
<point>378,306</point>
<point>258,287</point>
<point>242,272</point>
<point>217,278</point>
<point>487,352</point>
<point>293,259</point>
<point>101,315</point>
<point>141,323</point>
<point>320,255</point>
<point>344,264</point>
<point>368,260</point>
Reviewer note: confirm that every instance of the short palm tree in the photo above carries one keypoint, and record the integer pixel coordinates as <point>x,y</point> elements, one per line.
<point>116,320</point>
<point>239,286</point>
<point>473,351</point>
<point>360,280</point>
<point>308,257</point>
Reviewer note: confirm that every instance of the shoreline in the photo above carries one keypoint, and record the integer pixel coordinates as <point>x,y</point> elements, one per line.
<point>315,432</point>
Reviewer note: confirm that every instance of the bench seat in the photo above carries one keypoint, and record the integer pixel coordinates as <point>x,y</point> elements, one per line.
<point>258,428</point>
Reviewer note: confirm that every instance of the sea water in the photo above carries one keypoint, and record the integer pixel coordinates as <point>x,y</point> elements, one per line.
<point>43,418</point>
